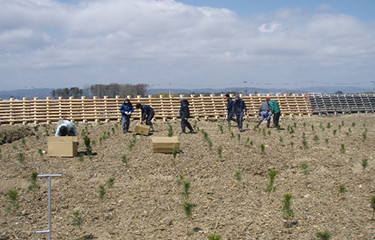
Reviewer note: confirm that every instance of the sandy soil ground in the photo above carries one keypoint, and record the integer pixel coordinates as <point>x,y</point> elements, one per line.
<point>145,201</point>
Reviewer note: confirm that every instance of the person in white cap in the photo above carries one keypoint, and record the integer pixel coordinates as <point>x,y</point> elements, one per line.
<point>126,110</point>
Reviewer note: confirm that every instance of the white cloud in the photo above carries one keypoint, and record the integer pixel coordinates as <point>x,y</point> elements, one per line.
<point>162,41</point>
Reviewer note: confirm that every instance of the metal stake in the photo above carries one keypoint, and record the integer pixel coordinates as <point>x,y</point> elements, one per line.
<point>49,202</point>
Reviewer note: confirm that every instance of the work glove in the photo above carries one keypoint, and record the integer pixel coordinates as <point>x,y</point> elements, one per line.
<point>186,119</point>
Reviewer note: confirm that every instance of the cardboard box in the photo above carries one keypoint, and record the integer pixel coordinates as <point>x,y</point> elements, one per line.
<point>165,144</point>
<point>62,146</point>
<point>142,129</point>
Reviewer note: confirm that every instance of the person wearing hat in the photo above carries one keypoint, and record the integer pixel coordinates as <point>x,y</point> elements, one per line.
<point>265,112</point>
<point>184,115</point>
<point>65,128</point>
<point>230,109</point>
<point>147,114</point>
<point>239,108</point>
<point>275,110</point>
<point>126,110</point>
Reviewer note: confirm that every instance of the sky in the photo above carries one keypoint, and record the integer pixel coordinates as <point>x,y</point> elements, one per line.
<point>187,43</point>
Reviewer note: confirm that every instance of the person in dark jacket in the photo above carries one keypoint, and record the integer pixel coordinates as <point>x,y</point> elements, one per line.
<point>147,114</point>
<point>239,108</point>
<point>275,110</point>
<point>184,115</point>
<point>230,109</point>
<point>126,110</point>
<point>265,112</point>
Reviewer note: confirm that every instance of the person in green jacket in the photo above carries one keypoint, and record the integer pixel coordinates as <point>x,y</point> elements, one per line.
<point>275,109</point>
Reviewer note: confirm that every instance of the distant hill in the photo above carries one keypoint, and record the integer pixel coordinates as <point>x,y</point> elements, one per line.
<point>28,93</point>
<point>45,92</point>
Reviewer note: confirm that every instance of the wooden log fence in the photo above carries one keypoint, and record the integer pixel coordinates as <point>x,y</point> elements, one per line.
<point>49,110</point>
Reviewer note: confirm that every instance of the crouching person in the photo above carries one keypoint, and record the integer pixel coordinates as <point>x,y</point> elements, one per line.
<point>65,128</point>
<point>265,112</point>
<point>147,114</point>
<point>126,110</point>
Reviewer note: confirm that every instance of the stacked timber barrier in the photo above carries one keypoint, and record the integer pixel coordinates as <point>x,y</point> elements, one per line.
<point>166,108</point>
<point>334,104</point>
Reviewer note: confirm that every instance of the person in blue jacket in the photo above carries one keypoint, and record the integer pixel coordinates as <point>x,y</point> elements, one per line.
<point>230,109</point>
<point>265,112</point>
<point>126,110</point>
<point>239,108</point>
<point>147,114</point>
<point>184,115</point>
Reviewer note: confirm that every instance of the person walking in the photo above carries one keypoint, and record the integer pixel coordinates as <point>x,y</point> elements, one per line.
<point>147,114</point>
<point>276,112</point>
<point>265,112</point>
<point>126,110</point>
<point>185,115</point>
<point>239,108</point>
<point>230,109</point>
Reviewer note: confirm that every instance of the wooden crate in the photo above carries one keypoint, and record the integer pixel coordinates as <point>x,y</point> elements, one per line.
<point>165,144</point>
<point>142,129</point>
<point>62,146</point>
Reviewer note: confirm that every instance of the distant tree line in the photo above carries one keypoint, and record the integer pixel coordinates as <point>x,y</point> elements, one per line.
<point>101,90</point>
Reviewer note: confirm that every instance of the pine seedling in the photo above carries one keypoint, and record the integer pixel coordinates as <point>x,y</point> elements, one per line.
<point>326,235</point>
<point>327,140</point>
<point>272,174</point>
<point>353,124</point>
<point>364,163</point>
<point>373,206</point>
<point>20,157</point>
<point>304,124</point>
<point>209,143</point>
<point>292,144</point>
<point>364,136</point>
<point>113,130</point>
<point>93,143</point>
<point>239,137</point>
<point>37,137</point>
<point>251,143</point>
<point>221,129</point>
<point>186,189</point>
<point>77,219</point>
<point>124,159</point>
<point>80,157</point>
<point>101,191</point>
<point>40,152</point>
<point>269,132</point>
<point>83,132</point>
<point>287,208</point>
<point>231,134</point>
<point>214,237</point>
<point>281,139</point>
<point>180,180</point>
<point>334,132</point>
<point>305,167</point>
<point>46,132</point>
<point>188,207</point>
<point>291,130</point>
<point>342,123</point>
<point>87,141</point>
<point>305,144</point>
<point>264,131</point>
<point>33,184</point>
<point>174,153</point>
<point>23,142</point>
<point>100,140</point>
<point>342,188</point>
<point>247,140</point>
<point>12,195</point>
<point>238,175</point>
<point>295,125</point>
<point>220,151</point>
<point>14,147</point>
<point>262,148</point>
<point>110,182</point>
<point>313,128</point>
<point>342,149</point>
<point>316,138</point>
<point>329,125</point>
<point>170,130</point>
<point>350,130</point>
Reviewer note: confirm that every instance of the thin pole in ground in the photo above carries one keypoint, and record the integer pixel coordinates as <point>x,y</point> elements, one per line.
<point>49,176</point>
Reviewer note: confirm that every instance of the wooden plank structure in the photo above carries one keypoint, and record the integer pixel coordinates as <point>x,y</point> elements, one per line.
<point>166,108</point>
<point>334,104</point>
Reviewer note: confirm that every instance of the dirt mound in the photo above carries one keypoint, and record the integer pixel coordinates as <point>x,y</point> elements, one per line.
<point>319,160</point>
<point>9,134</point>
